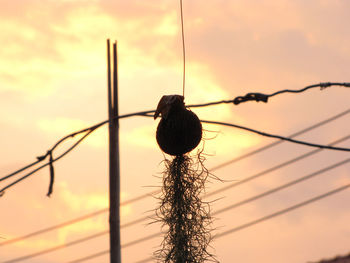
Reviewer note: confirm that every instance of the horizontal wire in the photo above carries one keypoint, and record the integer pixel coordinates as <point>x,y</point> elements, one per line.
<point>91,129</point>
<point>283,211</point>
<point>256,96</point>
<point>246,225</point>
<point>55,248</point>
<point>71,135</point>
<point>322,85</point>
<point>270,145</point>
<point>146,113</point>
<point>80,240</point>
<point>248,200</point>
<point>44,165</point>
<point>78,219</point>
<point>212,169</point>
<point>99,254</point>
<point>274,168</point>
<point>277,136</point>
<point>204,121</point>
<point>142,239</point>
<point>22,169</point>
<point>284,186</point>
<point>44,230</point>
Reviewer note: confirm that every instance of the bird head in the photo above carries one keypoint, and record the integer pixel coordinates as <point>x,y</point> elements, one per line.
<point>169,103</point>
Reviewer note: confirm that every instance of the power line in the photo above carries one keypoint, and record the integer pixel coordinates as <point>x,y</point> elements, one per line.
<point>204,121</point>
<point>264,97</point>
<point>222,189</point>
<point>270,145</point>
<point>282,186</point>
<point>40,159</point>
<point>146,114</point>
<point>299,180</point>
<point>92,128</point>
<point>322,85</point>
<point>71,135</point>
<point>274,168</point>
<point>42,231</point>
<point>283,211</point>
<point>78,219</point>
<point>39,168</point>
<point>232,206</point>
<point>277,136</point>
<point>55,248</point>
<point>107,251</point>
<point>286,185</point>
<point>81,240</point>
<point>251,223</point>
<point>101,253</point>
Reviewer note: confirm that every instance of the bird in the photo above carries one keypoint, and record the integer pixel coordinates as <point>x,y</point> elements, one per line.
<point>179,130</point>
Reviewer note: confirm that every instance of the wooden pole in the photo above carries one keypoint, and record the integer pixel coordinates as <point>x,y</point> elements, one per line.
<point>114,165</point>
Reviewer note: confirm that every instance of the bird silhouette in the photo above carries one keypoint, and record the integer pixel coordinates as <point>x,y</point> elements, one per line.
<point>179,130</point>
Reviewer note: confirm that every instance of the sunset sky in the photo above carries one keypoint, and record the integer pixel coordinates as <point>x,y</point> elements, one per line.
<point>53,82</point>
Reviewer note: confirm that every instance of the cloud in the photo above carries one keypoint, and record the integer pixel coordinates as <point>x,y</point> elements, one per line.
<point>68,204</point>
<point>53,81</point>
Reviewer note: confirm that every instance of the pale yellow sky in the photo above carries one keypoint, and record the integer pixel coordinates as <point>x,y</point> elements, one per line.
<point>53,82</point>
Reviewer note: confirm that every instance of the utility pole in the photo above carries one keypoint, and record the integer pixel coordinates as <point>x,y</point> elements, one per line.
<point>114,162</point>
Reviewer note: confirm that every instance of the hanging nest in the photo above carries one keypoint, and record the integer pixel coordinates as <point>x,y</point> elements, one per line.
<point>179,131</point>
<point>182,213</point>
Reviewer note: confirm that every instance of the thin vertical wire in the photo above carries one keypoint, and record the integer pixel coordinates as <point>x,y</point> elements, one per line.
<point>183,50</point>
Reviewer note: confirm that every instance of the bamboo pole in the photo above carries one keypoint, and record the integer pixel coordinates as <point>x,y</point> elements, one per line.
<point>114,165</point>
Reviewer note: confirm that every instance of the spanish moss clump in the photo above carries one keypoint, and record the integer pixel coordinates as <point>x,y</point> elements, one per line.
<point>184,215</point>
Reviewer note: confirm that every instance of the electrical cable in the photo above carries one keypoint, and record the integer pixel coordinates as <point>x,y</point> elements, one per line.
<point>270,145</point>
<point>277,136</point>
<point>107,251</point>
<point>101,253</point>
<point>78,219</point>
<point>286,185</point>
<point>322,85</point>
<point>146,113</point>
<point>22,169</point>
<point>264,97</point>
<point>283,211</point>
<point>39,168</point>
<point>274,168</point>
<point>143,196</point>
<point>80,240</point>
<point>92,128</point>
<point>246,225</point>
<point>232,206</point>
<point>56,248</point>
<point>204,121</point>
